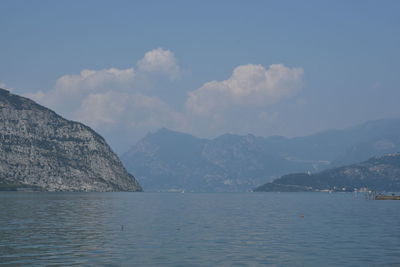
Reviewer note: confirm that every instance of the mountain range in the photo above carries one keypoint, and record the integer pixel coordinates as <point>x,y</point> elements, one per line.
<point>172,161</point>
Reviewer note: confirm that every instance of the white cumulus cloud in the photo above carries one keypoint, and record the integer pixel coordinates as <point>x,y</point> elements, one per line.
<point>126,110</point>
<point>70,90</point>
<point>249,85</point>
<point>125,117</point>
<point>124,104</point>
<point>114,100</point>
<point>96,80</point>
<point>160,61</point>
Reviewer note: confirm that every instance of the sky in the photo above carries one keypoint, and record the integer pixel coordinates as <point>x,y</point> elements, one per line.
<point>126,68</point>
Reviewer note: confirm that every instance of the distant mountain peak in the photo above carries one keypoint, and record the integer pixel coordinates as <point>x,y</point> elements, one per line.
<point>168,159</point>
<point>164,130</point>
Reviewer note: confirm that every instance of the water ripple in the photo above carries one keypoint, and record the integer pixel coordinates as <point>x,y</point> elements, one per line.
<point>150,229</point>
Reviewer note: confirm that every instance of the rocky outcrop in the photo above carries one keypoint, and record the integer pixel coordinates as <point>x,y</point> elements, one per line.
<point>41,149</point>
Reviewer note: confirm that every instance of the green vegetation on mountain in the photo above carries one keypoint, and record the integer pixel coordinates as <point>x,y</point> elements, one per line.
<point>378,173</point>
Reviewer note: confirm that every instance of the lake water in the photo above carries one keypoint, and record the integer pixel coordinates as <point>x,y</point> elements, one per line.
<point>193,229</point>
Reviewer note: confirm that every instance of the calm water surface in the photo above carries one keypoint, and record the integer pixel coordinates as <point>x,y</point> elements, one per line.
<point>221,229</point>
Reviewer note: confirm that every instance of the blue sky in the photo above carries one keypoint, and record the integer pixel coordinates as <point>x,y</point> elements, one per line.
<point>301,66</point>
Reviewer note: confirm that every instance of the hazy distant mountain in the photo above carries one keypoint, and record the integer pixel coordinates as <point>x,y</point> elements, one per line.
<point>378,173</point>
<point>168,160</point>
<point>348,145</point>
<point>41,150</point>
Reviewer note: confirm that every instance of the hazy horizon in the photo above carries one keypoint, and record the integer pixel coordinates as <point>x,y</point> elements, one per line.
<point>267,68</point>
<point>315,83</point>
<point>289,137</point>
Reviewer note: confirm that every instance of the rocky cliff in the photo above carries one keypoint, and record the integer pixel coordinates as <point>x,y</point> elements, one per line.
<point>40,149</point>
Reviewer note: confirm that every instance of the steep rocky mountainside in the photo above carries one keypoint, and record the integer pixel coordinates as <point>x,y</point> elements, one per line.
<point>168,160</point>
<point>378,173</point>
<point>44,151</point>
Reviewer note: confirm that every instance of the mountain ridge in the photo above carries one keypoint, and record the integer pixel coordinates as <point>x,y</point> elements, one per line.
<point>42,150</point>
<point>380,173</point>
<point>232,162</point>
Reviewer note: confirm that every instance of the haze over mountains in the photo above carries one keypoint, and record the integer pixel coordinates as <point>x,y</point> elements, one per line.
<point>378,173</point>
<point>42,150</point>
<point>168,160</point>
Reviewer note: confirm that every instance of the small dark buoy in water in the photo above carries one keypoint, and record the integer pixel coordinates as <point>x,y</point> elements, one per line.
<point>122,227</point>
